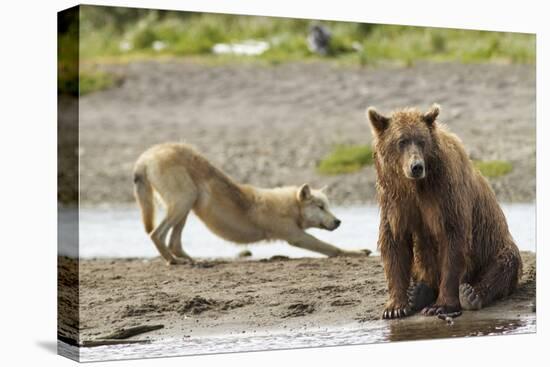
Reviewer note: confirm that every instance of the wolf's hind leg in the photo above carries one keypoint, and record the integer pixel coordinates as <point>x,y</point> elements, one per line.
<point>499,280</point>
<point>158,236</point>
<point>175,245</point>
<point>181,210</point>
<point>175,213</point>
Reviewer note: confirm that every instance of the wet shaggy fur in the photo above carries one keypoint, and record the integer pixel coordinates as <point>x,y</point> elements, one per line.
<point>441,226</point>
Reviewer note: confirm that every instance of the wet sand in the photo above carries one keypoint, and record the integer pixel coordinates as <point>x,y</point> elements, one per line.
<point>248,297</point>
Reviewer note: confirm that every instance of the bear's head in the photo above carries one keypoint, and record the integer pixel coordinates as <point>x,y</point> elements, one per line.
<point>404,140</point>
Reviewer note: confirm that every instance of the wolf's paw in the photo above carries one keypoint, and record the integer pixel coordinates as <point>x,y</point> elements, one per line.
<point>365,252</point>
<point>440,309</point>
<point>356,253</point>
<point>395,311</point>
<point>469,297</point>
<point>179,261</point>
<point>420,295</point>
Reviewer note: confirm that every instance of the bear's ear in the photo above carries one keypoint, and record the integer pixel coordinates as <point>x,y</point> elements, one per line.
<point>378,121</point>
<point>304,193</point>
<point>430,116</point>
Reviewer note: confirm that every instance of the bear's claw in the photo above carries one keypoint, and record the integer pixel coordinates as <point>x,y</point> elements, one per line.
<point>396,312</point>
<point>435,310</point>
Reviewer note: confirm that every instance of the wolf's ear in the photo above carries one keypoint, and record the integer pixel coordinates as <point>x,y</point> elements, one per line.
<point>304,192</point>
<point>378,122</point>
<point>430,116</point>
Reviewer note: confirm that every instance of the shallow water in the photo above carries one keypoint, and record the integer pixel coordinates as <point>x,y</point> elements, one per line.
<point>118,232</point>
<point>371,332</point>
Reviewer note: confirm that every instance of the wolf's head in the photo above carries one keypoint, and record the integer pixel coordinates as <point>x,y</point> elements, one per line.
<point>314,209</point>
<point>404,140</point>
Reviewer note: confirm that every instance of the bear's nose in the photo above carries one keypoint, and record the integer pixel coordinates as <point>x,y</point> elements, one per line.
<point>417,169</point>
<point>337,223</point>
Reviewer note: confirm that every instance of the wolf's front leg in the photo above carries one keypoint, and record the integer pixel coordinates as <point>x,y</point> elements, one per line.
<point>397,255</point>
<point>308,242</point>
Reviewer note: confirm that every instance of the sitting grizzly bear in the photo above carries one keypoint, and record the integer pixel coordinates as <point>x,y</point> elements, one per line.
<point>440,222</point>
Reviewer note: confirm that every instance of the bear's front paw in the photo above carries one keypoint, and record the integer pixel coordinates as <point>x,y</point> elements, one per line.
<point>441,309</point>
<point>420,295</point>
<point>396,310</point>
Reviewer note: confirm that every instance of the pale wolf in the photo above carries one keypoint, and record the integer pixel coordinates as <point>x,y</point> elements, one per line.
<point>185,181</point>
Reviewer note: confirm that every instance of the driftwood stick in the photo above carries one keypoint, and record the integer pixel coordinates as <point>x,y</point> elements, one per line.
<point>99,342</point>
<point>102,342</point>
<point>132,331</point>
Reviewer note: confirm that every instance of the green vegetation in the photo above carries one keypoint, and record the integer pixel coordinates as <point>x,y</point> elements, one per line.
<point>493,169</point>
<point>91,81</point>
<point>351,158</point>
<point>67,61</point>
<point>67,79</point>
<point>73,78</point>
<point>122,34</point>
<point>346,159</point>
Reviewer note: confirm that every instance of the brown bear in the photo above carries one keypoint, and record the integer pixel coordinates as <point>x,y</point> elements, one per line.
<point>440,222</point>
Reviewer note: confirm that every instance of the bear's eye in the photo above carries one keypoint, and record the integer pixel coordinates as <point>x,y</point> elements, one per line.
<point>403,143</point>
<point>421,143</point>
<point>321,206</point>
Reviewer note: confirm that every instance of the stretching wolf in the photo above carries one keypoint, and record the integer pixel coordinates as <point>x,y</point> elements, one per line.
<point>185,181</point>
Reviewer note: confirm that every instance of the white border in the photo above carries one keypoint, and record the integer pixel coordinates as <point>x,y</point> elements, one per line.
<point>28,180</point>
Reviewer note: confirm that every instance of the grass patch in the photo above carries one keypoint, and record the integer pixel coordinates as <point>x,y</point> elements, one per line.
<point>346,159</point>
<point>72,78</point>
<point>351,158</point>
<point>493,169</point>
<point>120,32</point>
<point>92,81</point>
<point>72,83</point>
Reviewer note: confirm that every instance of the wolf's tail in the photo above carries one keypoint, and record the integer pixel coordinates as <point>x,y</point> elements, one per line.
<point>143,191</point>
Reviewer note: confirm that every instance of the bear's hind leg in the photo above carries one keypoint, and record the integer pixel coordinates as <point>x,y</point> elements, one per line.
<point>499,280</point>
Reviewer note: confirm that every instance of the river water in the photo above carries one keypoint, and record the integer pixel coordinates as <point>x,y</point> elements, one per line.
<point>118,232</point>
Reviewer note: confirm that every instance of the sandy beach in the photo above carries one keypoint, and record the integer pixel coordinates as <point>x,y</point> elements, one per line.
<point>245,297</point>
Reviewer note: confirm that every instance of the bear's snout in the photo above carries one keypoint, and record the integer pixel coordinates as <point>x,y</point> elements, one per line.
<point>417,169</point>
